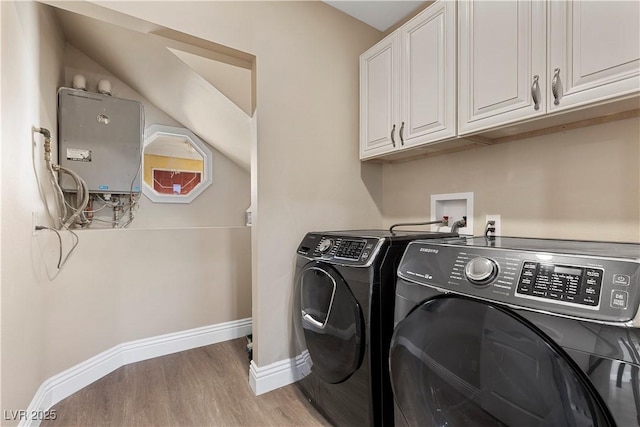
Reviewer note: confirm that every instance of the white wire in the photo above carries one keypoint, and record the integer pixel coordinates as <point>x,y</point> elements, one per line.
<point>66,258</point>
<point>59,194</point>
<point>82,187</point>
<point>73,248</point>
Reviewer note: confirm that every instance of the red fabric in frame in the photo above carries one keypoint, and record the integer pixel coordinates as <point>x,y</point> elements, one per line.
<point>175,182</point>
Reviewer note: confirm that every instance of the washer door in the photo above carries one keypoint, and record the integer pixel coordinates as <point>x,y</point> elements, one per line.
<point>332,322</point>
<point>456,361</point>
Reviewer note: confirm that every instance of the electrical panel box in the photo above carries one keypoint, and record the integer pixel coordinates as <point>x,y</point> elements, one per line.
<point>100,139</point>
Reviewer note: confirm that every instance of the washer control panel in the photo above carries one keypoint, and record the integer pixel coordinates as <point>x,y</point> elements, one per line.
<point>591,287</point>
<point>340,250</point>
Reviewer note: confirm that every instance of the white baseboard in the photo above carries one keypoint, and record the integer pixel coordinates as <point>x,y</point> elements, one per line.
<point>77,377</point>
<point>263,379</point>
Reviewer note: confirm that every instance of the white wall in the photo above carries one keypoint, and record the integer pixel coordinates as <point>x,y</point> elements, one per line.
<point>577,184</point>
<point>119,285</point>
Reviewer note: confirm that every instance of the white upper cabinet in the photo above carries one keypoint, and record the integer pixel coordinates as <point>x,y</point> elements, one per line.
<point>594,51</point>
<point>379,97</point>
<point>520,60</point>
<point>460,71</point>
<point>407,84</point>
<point>502,74</point>
<point>428,109</point>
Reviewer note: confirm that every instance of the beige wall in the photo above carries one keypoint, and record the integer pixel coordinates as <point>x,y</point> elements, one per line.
<point>32,48</point>
<point>578,184</point>
<point>119,285</point>
<point>308,175</point>
<point>128,284</point>
<point>308,169</point>
<point>124,285</point>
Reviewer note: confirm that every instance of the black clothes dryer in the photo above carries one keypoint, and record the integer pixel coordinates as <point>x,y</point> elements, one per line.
<point>343,320</point>
<point>517,332</point>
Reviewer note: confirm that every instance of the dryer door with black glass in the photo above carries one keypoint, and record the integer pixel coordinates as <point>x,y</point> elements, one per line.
<point>332,323</point>
<point>457,361</point>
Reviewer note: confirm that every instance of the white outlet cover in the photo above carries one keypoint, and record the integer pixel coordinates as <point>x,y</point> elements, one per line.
<point>498,223</point>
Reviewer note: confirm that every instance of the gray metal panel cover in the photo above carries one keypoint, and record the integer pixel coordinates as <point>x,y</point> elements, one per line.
<point>100,138</point>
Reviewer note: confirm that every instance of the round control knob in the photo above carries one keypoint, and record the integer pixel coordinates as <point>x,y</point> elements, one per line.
<point>481,271</point>
<point>325,245</point>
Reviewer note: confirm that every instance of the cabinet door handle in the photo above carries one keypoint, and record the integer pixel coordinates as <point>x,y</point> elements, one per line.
<point>393,131</point>
<point>401,136</point>
<point>554,86</point>
<point>535,88</point>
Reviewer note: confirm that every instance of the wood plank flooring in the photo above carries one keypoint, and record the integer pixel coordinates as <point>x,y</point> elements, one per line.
<point>207,386</point>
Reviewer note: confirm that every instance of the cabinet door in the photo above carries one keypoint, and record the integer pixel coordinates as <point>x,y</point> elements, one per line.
<point>502,61</point>
<point>379,97</point>
<point>594,51</point>
<point>428,76</point>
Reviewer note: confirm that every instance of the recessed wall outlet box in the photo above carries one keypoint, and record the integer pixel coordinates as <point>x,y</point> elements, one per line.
<point>455,206</point>
<point>497,224</point>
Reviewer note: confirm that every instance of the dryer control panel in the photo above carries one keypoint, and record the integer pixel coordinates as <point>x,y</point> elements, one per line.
<point>603,287</point>
<point>568,283</point>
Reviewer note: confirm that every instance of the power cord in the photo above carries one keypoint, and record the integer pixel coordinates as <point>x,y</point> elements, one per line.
<point>42,227</point>
<point>444,221</point>
<point>61,261</point>
<point>490,230</point>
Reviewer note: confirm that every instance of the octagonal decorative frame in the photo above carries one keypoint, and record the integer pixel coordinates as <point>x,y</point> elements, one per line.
<point>155,132</point>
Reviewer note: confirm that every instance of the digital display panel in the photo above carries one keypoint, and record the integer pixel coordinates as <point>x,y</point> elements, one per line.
<point>561,283</point>
<point>568,270</point>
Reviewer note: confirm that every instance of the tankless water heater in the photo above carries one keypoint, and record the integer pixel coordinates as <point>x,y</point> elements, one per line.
<point>100,138</point>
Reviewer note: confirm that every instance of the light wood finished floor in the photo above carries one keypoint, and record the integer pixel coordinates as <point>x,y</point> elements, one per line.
<point>207,386</point>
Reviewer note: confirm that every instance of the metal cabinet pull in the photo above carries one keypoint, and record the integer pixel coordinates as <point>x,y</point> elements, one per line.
<point>393,131</point>
<point>535,88</point>
<point>554,86</point>
<point>401,136</point>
